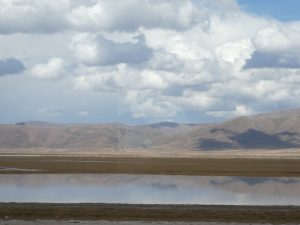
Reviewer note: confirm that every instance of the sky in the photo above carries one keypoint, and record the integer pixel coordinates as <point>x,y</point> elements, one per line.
<point>145,61</point>
<point>282,10</point>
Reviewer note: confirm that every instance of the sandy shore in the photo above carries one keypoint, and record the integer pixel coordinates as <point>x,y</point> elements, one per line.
<point>129,212</point>
<point>235,166</point>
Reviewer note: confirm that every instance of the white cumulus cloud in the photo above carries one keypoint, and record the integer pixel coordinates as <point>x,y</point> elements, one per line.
<point>97,50</point>
<point>51,70</point>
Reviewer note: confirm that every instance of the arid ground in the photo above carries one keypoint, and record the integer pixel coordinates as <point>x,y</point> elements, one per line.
<point>80,222</point>
<point>123,212</point>
<point>229,163</point>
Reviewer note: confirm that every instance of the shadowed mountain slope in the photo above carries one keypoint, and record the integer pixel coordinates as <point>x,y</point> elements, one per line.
<point>275,130</point>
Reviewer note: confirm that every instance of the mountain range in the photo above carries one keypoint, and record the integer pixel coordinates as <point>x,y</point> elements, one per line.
<point>275,130</point>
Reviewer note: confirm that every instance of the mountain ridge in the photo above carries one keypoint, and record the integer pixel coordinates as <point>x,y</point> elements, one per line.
<point>274,130</point>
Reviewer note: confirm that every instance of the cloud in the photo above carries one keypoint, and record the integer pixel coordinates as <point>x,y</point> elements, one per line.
<point>276,38</point>
<point>120,78</point>
<point>217,71</point>
<point>167,60</point>
<point>53,69</point>
<point>82,114</point>
<point>61,15</point>
<point>10,66</point>
<point>276,46</point>
<point>272,60</point>
<point>115,15</point>
<point>239,110</point>
<point>97,50</point>
<point>235,53</point>
<point>37,16</point>
<point>52,110</point>
<point>149,103</point>
<point>201,71</point>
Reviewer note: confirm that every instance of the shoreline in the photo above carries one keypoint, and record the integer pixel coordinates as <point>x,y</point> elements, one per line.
<point>132,212</point>
<point>155,153</point>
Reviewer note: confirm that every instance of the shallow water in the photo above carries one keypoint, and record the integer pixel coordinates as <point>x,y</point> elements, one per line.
<point>148,189</point>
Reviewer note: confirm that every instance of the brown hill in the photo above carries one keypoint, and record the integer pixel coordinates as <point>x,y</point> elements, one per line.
<point>276,130</point>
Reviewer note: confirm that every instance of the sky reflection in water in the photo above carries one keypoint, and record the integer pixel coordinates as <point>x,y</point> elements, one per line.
<point>150,189</point>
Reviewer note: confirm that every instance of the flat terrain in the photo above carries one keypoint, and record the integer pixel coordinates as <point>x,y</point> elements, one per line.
<point>101,222</point>
<point>124,212</point>
<point>169,165</point>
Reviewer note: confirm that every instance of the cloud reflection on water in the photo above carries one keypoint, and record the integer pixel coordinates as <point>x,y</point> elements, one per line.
<point>150,189</point>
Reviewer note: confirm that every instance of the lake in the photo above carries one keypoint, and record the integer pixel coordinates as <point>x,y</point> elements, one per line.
<point>148,189</point>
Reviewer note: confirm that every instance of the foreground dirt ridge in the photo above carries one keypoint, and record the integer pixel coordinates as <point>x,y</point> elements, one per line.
<point>101,222</point>
<point>125,212</point>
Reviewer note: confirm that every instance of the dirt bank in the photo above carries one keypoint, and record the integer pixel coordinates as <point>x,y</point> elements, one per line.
<point>124,212</point>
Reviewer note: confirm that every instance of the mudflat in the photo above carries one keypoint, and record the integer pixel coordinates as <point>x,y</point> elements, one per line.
<point>126,212</point>
<point>168,165</point>
<point>101,222</point>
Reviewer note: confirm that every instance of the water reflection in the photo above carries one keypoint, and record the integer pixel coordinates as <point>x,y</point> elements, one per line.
<point>113,188</point>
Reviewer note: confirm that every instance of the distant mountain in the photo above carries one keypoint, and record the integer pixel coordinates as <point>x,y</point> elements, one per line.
<point>275,130</point>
